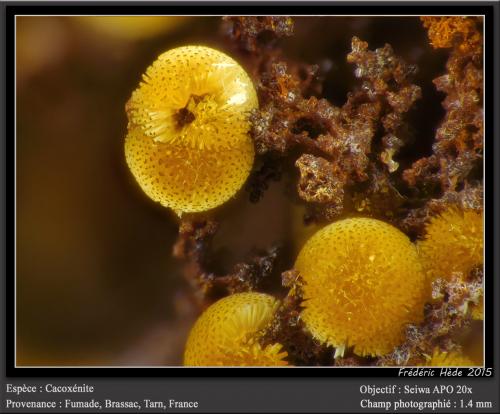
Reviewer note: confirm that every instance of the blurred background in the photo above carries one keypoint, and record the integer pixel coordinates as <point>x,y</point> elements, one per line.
<point>96,281</point>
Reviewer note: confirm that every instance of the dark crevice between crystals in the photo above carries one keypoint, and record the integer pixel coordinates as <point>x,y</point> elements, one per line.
<point>183,117</point>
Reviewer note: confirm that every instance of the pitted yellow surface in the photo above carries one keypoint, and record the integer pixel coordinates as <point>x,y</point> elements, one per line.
<point>188,144</point>
<point>227,333</point>
<point>453,243</point>
<point>185,179</point>
<point>362,283</point>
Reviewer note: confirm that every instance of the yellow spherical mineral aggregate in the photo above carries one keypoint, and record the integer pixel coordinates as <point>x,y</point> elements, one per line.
<point>188,145</point>
<point>213,87</point>
<point>453,243</point>
<point>184,179</point>
<point>227,333</point>
<point>362,283</point>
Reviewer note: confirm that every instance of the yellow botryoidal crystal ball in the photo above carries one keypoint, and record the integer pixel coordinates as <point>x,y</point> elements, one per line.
<point>188,144</point>
<point>362,283</point>
<point>453,243</point>
<point>448,359</point>
<point>227,333</point>
<point>185,179</point>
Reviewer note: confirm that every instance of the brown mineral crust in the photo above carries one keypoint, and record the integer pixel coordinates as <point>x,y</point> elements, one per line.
<point>258,182</point>
<point>446,318</point>
<point>351,361</point>
<point>194,238</point>
<point>318,182</point>
<point>247,276</point>
<point>288,329</point>
<point>194,247</point>
<point>380,197</point>
<point>252,33</point>
<point>336,145</point>
<point>469,198</point>
<point>448,31</point>
<point>386,78</point>
<point>458,148</point>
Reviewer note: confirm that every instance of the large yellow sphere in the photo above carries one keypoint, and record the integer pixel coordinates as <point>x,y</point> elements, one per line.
<point>227,333</point>
<point>188,144</point>
<point>362,283</point>
<point>453,243</point>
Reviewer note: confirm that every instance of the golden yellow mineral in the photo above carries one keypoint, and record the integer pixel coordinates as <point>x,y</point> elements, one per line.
<point>188,144</point>
<point>363,283</point>
<point>453,243</point>
<point>448,359</point>
<point>228,332</point>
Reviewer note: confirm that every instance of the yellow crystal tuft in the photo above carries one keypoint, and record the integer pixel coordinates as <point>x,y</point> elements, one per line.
<point>227,333</point>
<point>448,359</point>
<point>453,243</point>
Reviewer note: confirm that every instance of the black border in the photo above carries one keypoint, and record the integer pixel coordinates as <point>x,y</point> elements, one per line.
<point>221,8</point>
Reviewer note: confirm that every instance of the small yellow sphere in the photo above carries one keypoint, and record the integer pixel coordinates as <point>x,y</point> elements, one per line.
<point>453,243</point>
<point>448,359</point>
<point>227,333</point>
<point>188,143</point>
<point>362,283</point>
